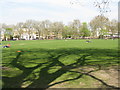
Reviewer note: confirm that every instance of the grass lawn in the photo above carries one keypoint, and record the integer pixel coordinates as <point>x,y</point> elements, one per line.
<point>59,63</point>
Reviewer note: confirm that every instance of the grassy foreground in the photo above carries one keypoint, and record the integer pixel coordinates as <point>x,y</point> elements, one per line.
<point>57,63</point>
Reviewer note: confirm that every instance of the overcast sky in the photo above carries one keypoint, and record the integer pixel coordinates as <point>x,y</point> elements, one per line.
<point>14,11</point>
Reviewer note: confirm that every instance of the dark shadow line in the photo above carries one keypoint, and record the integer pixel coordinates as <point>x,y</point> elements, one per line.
<point>111,86</point>
<point>65,81</point>
<point>71,79</point>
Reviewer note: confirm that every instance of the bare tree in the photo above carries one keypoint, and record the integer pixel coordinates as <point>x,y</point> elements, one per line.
<point>97,24</point>
<point>102,6</point>
<point>37,26</point>
<point>113,27</point>
<point>19,30</point>
<point>57,29</point>
<point>45,29</point>
<point>29,26</point>
<point>75,28</point>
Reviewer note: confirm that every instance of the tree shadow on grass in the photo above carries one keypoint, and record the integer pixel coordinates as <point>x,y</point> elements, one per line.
<point>62,60</point>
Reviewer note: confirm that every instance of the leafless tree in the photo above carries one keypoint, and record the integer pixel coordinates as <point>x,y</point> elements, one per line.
<point>97,24</point>
<point>57,28</point>
<point>75,28</point>
<point>19,30</point>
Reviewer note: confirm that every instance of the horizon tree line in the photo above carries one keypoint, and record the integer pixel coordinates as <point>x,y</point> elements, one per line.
<point>99,26</point>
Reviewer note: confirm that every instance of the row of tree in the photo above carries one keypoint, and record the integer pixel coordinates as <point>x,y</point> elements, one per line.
<point>98,26</point>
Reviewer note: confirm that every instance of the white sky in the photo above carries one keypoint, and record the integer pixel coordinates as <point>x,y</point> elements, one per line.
<point>14,11</point>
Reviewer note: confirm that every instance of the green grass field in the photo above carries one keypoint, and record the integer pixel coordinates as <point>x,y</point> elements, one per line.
<point>57,63</point>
